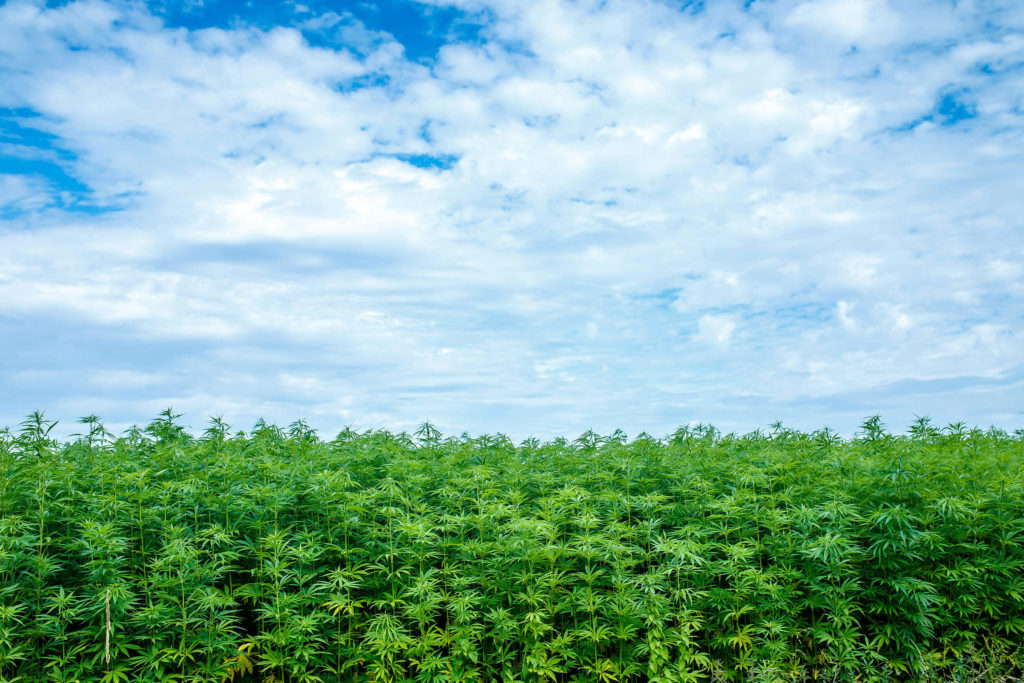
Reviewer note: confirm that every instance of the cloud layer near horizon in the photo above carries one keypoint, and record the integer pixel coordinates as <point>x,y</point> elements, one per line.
<point>581,214</point>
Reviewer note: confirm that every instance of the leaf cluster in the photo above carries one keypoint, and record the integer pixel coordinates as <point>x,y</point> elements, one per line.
<point>276,555</point>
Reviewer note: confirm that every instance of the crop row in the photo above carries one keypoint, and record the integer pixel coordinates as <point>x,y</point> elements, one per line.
<point>275,555</point>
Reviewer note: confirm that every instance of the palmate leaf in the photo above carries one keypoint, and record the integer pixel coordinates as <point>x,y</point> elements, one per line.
<point>118,674</point>
<point>711,556</point>
<point>604,670</point>
<point>544,664</point>
<point>242,663</point>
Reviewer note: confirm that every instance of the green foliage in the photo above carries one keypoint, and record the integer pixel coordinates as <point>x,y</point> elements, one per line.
<point>279,556</point>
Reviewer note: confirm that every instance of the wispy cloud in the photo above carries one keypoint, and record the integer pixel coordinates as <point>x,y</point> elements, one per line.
<point>616,214</point>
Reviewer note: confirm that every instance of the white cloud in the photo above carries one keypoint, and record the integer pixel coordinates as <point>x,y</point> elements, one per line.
<point>843,312</point>
<point>608,177</point>
<point>716,330</point>
<point>852,21</point>
<point>23,193</point>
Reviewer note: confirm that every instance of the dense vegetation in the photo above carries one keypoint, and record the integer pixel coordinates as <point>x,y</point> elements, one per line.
<point>274,555</point>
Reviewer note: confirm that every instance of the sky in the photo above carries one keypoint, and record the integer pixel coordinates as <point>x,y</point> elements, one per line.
<point>533,217</point>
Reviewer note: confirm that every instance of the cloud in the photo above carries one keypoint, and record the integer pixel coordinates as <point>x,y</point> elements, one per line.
<point>716,330</point>
<point>583,215</point>
<point>851,21</point>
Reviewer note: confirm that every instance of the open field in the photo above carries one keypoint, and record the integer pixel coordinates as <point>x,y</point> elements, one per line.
<point>276,555</point>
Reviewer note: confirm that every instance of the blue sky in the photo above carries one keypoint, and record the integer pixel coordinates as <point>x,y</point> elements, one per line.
<point>533,217</point>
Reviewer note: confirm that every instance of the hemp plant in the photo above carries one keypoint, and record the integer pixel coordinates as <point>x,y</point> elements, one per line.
<point>276,555</point>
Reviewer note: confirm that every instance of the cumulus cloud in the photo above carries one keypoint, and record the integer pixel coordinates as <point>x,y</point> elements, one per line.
<point>616,214</point>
